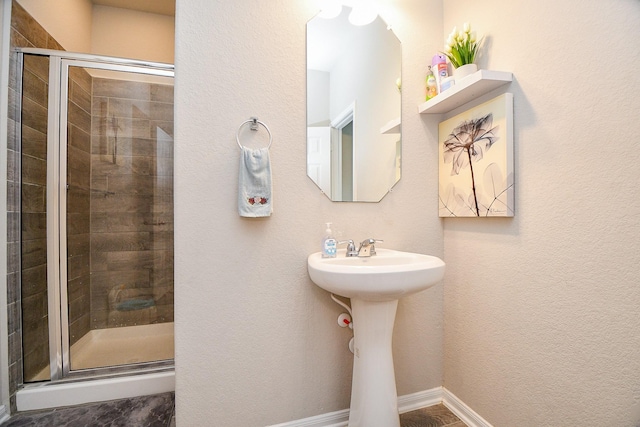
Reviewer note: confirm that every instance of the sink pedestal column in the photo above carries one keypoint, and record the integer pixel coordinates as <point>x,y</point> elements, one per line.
<point>374,399</point>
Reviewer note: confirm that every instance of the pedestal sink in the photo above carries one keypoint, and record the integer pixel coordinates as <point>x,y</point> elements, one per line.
<point>374,285</point>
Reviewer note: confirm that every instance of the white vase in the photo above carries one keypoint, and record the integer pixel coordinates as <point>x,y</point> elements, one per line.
<point>463,71</point>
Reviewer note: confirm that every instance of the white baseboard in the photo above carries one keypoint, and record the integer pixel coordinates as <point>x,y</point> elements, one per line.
<point>4,415</point>
<point>330,419</point>
<point>462,411</point>
<point>406,403</point>
<point>421,399</point>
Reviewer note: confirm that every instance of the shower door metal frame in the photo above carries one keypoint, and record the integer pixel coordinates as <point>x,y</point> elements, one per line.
<point>56,197</point>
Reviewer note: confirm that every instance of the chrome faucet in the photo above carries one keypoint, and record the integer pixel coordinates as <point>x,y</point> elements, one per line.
<point>367,247</point>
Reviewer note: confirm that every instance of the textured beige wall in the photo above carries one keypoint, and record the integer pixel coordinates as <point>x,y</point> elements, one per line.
<point>132,34</point>
<point>542,326</point>
<point>256,341</point>
<point>57,17</point>
<point>80,26</point>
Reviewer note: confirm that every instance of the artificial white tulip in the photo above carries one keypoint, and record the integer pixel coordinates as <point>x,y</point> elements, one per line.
<point>451,40</point>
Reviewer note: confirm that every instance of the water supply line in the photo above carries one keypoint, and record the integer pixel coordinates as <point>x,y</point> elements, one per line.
<point>346,307</point>
<point>345,320</point>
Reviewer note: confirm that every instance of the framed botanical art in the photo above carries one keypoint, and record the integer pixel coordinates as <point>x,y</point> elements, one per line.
<point>476,161</point>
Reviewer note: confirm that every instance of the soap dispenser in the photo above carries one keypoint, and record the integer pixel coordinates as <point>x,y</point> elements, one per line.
<point>329,244</point>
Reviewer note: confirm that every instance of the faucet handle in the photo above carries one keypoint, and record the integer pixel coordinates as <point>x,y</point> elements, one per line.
<point>351,247</point>
<point>367,247</point>
<point>372,243</point>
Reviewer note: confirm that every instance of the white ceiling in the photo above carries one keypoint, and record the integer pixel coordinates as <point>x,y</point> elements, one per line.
<point>162,7</point>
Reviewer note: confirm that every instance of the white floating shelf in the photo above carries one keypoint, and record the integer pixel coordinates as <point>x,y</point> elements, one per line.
<point>467,89</point>
<point>392,127</point>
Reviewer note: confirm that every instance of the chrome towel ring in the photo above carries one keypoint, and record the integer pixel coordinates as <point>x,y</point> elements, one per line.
<point>254,126</point>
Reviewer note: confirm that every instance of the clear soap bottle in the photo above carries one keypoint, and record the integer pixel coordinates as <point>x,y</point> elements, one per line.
<point>329,243</point>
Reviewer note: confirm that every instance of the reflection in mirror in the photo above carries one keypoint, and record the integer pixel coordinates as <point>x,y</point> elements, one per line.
<point>353,108</point>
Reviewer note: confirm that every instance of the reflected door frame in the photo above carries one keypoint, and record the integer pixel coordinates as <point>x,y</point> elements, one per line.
<point>346,117</point>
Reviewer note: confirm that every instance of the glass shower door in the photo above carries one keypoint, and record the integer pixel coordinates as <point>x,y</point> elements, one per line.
<point>119,217</point>
<point>96,214</point>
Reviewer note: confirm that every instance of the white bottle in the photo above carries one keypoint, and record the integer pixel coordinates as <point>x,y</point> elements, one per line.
<point>329,244</point>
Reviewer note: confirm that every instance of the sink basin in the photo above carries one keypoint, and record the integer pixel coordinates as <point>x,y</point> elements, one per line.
<point>374,285</point>
<point>389,275</point>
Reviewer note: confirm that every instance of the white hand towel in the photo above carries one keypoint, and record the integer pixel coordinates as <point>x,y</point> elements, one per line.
<point>254,183</point>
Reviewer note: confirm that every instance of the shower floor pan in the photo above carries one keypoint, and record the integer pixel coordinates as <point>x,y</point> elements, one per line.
<point>101,348</point>
<point>123,346</point>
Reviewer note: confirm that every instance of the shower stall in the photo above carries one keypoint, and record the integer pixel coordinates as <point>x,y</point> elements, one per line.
<point>96,217</point>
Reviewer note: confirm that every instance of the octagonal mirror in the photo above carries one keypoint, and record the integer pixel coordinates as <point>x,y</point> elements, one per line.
<point>354,142</point>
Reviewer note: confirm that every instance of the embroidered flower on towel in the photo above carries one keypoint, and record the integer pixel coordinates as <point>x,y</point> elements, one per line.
<point>254,200</point>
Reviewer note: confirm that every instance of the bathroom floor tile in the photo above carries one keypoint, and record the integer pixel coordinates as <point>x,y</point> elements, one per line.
<point>433,416</point>
<point>144,411</point>
<point>158,411</point>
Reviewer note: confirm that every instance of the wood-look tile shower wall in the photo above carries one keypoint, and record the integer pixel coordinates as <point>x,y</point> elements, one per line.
<point>78,203</point>
<point>131,201</point>
<point>34,292</point>
<point>35,326</point>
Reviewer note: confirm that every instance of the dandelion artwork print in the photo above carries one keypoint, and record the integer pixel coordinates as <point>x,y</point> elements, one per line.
<point>476,161</point>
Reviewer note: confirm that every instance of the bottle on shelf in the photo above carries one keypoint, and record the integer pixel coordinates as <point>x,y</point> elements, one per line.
<point>440,70</point>
<point>432,85</point>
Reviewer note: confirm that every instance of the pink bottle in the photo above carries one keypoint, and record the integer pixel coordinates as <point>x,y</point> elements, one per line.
<point>439,67</point>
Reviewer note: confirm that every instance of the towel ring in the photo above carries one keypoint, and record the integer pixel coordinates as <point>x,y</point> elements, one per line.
<point>254,126</point>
